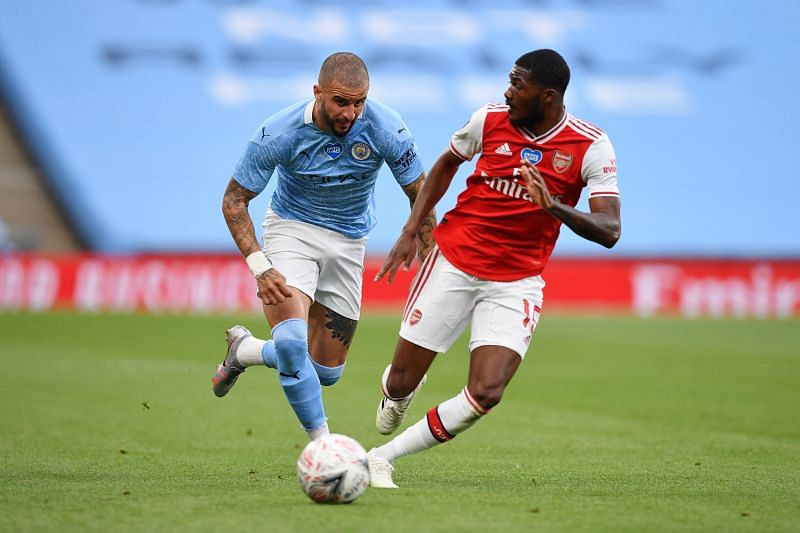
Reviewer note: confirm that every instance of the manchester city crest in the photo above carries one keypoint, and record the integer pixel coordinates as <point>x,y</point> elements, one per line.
<point>360,151</point>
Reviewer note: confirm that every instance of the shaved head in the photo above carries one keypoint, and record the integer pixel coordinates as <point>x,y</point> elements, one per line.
<point>345,68</point>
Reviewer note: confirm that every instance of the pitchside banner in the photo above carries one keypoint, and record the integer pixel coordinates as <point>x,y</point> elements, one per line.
<point>222,283</point>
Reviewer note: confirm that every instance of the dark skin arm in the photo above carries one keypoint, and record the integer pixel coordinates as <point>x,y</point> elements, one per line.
<point>602,225</point>
<point>272,288</point>
<point>425,231</point>
<point>430,193</point>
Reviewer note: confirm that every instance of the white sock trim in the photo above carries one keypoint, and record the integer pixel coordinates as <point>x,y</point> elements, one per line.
<point>474,405</point>
<point>314,434</point>
<point>249,352</point>
<point>384,378</point>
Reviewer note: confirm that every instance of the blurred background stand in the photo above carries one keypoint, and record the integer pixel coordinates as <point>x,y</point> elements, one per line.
<point>30,218</point>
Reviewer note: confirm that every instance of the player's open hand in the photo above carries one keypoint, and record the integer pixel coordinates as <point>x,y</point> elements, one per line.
<point>272,288</point>
<point>534,182</point>
<point>402,254</point>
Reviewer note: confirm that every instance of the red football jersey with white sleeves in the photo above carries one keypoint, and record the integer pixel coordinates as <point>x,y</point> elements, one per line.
<point>495,231</point>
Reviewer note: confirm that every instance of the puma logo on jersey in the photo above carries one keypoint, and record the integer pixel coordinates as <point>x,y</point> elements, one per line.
<point>503,149</point>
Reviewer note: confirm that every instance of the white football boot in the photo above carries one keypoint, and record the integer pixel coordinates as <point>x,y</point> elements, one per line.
<point>229,370</point>
<point>392,412</point>
<point>380,471</point>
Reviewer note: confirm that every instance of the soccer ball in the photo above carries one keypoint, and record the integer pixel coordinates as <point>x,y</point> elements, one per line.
<point>333,469</point>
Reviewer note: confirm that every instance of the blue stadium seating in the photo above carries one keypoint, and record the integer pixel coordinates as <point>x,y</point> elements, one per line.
<point>138,109</point>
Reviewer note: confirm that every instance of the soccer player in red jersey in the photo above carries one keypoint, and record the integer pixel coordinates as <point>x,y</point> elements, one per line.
<point>534,159</point>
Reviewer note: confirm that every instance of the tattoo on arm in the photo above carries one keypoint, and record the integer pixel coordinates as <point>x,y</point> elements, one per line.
<point>342,328</point>
<point>234,208</point>
<point>425,240</point>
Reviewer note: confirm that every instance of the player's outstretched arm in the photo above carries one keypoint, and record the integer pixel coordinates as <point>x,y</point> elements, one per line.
<point>425,231</point>
<point>272,288</point>
<point>431,191</point>
<point>602,225</point>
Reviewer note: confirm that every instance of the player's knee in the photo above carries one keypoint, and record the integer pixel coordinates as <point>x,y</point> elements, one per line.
<point>487,396</point>
<point>328,375</point>
<point>291,345</point>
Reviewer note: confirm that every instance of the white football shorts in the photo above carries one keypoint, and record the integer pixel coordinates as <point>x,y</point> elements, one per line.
<point>443,299</point>
<point>324,264</point>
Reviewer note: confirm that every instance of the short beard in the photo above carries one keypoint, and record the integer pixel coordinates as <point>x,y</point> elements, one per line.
<point>535,115</point>
<point>326,118</point>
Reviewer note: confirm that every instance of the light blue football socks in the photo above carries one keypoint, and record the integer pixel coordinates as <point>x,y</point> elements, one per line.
<point>327,375</point>
<point>268,354</point>
<point>297,374</point>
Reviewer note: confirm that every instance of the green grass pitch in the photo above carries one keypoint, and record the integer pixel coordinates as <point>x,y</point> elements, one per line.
<point>611,424</point>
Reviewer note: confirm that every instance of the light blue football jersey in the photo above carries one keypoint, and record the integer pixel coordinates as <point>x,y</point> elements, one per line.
<point>323,179</point>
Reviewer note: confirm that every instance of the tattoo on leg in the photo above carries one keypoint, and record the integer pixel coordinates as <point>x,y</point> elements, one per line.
<point>342,328</point>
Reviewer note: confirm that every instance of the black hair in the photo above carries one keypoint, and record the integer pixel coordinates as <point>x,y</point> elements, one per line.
<point>346,68</point>
<point>547,68</point>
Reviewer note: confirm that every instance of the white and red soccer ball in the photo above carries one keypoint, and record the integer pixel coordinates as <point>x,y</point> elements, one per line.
<point>333,469</point>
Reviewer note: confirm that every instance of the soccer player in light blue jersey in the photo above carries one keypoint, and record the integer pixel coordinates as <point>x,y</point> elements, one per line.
<point>325,154</point>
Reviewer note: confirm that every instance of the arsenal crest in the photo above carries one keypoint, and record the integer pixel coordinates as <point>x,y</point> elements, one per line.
<point>561,161</point>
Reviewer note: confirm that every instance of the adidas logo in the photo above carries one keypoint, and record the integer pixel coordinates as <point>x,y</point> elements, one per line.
<point>503,149</point>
